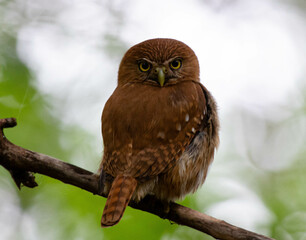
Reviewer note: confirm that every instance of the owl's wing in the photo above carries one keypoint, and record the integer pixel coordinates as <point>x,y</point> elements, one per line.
<point>196,118</point>
<point>153,141</point>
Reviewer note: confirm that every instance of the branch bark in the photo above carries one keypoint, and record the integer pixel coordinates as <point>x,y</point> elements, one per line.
<point>22,163</point>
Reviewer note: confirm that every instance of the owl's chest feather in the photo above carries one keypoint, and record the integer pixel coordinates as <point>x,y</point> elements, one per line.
<point>156,119</point>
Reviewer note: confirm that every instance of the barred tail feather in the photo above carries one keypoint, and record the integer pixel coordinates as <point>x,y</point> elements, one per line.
<point>118,198</point>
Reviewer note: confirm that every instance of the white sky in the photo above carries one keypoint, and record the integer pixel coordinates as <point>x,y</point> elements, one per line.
<point>249,53</point>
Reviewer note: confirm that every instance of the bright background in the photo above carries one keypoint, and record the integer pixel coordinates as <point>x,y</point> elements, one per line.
<point>58,66</point>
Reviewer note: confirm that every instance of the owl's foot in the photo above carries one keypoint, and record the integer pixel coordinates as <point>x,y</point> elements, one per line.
<point>166,208</point>
<point>162,206</point>
<point>101,183</point>
<point>105,183</point>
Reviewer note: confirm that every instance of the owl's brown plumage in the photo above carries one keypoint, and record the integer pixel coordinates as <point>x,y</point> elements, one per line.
<point>160,127</point>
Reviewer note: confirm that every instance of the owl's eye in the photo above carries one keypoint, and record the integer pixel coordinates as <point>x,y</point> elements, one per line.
<point>144,66</point>
<point>176,64</point>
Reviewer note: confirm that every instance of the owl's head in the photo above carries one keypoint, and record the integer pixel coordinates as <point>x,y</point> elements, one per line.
<point>159,62</point>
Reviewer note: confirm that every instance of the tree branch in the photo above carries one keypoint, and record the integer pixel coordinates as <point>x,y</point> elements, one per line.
<point>22,163</point>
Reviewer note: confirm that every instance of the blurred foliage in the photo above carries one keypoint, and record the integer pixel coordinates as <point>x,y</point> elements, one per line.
<point>52,204</point>
<point>280,186</point>
<point>58,211</point>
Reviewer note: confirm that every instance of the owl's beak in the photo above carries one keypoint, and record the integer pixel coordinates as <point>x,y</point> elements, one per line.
<point>160,75</point>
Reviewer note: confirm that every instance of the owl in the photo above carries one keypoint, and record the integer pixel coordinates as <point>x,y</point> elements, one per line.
<point>160,128</point>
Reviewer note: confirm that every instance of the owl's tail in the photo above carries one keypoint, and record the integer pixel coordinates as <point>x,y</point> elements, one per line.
<point>118,198</point>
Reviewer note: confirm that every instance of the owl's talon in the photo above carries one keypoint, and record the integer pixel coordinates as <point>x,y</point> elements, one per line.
<point>166,208</point>
<point>101,183</point>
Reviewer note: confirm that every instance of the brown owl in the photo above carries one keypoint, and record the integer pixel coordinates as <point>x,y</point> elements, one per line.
<point>160,128</point>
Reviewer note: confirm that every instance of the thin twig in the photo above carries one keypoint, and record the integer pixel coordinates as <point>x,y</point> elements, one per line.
<point>22,163</point>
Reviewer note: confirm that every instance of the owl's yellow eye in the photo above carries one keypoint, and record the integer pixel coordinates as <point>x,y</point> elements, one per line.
<point>176,64</point>
<point>144,66</point>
